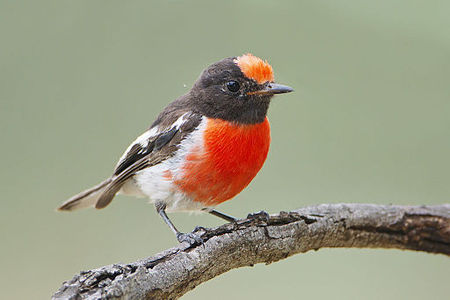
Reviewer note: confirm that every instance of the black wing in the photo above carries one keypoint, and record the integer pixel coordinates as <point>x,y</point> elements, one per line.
<point>157,148</point>
<point>139,151</point>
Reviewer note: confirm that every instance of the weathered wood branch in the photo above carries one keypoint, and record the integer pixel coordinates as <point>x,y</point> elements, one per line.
<point>264,239</point>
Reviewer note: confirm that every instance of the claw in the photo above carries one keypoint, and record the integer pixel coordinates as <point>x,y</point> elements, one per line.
<point>199,228</point>
<point>262,215</point>
<point>191,238</point>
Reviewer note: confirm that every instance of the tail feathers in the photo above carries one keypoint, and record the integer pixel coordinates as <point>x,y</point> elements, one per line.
<point>86,198</point>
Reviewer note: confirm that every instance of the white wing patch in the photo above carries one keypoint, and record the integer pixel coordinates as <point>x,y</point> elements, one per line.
<point>180,121</point>
<point>144,138</point>
<point>159,188</point>
<point>153,182</point>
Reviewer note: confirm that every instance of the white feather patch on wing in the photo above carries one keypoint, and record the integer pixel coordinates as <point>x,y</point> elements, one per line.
<point>180,121</point>
<point>154,182</point>
<point>142,140</point>
<point>146,136</point>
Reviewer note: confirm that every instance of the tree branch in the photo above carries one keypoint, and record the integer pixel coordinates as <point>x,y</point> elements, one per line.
<point>264,239</point>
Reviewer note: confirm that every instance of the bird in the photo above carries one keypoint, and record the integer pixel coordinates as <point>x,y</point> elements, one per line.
<point>203,149</point>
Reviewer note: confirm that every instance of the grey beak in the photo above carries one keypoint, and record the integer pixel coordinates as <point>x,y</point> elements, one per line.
<point>272,89</point>
<point>275,88</point>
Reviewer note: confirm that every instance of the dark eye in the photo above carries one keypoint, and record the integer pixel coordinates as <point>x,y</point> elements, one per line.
<point>233,86</point>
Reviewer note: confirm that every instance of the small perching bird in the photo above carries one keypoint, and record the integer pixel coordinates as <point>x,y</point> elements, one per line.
<point>203,149</point>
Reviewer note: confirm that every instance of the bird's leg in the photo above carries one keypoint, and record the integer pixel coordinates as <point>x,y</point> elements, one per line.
<point>220,215</point>
<point>191,238</point>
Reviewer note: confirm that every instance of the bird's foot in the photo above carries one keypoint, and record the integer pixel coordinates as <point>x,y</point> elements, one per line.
<point>262,215</point>
<point>191,238</point>
<point>199,228</point>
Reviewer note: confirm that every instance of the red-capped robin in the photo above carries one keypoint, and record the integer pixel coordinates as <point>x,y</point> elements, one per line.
<point>203,149</point>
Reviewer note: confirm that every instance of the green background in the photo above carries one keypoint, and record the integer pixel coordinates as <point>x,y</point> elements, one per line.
<point>369,122</point>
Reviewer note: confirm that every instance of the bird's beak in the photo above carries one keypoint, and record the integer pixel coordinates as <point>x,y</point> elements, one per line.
<point>272,89</point>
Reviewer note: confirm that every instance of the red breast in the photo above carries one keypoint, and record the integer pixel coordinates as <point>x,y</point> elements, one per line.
<point>230,158</point>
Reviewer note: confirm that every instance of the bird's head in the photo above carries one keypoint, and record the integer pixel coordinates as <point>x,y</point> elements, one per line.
<point>236,89</point>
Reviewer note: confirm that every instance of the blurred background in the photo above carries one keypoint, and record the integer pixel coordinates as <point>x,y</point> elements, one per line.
<point>369,122</point>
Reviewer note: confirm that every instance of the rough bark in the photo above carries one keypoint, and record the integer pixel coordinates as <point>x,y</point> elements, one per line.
<point>265,239</point>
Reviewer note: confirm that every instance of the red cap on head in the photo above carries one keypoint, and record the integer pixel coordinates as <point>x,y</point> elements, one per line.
<point>255,68</point>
